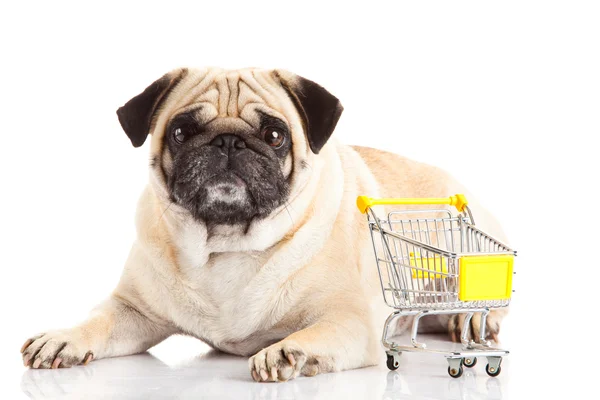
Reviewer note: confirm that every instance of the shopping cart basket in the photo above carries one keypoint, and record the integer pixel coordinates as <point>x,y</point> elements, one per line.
<point>433,262</point>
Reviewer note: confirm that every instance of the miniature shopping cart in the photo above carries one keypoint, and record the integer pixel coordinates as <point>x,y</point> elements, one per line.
<point>433,262</point>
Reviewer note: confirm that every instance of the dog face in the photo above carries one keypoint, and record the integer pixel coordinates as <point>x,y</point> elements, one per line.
<point>231,147</point>
<point>228,173</point>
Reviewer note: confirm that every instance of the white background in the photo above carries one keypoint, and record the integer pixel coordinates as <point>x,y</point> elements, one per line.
<point>504,95</point>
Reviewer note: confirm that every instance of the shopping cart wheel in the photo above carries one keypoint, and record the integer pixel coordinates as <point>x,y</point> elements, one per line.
<point>491,371</point>
<point>469,362</point>
<point>393,361</point>
<point>455,372</point>
<point>493,366</point>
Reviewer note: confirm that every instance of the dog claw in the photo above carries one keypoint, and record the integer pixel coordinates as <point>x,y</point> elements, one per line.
<point>291,359</point>
<point>26,345</point>
<point>264,375</point>
<point>255,376</point>
<point>88,357</point>
<point>56,362</point>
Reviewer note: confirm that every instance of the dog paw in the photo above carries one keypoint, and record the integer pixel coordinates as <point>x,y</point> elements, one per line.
<point>279,362</point>
<point>492,326</point>
<point>57,349</point>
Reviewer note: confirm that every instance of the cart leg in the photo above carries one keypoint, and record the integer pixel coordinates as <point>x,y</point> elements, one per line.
<point>392,318</point>
<point>482,333</point>
<point>415,328</point>
<point>464,336</point>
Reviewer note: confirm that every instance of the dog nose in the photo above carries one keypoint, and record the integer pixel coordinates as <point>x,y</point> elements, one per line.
<point>228,142</point>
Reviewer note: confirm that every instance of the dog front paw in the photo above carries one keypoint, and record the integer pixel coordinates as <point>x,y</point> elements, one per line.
<point>279,362</point>
<point>286,360</point>
<point>56,349</point>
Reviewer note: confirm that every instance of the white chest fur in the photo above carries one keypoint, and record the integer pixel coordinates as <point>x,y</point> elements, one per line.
<point>233,299</point>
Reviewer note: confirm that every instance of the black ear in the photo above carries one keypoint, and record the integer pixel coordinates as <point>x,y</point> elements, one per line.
<point>320,110</point>
<point>137,114</point>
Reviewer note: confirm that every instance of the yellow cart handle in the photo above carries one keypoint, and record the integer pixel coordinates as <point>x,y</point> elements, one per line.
<point>458,200</point>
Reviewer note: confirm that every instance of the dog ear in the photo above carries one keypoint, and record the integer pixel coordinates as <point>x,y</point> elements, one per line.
<point>137,114</point>
<point>319,109</point>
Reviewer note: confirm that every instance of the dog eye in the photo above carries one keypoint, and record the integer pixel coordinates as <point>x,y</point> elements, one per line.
<point>273,136</point>
<point>181,134</point>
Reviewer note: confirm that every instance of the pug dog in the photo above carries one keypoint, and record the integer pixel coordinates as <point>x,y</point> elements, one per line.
<point>248,235</point>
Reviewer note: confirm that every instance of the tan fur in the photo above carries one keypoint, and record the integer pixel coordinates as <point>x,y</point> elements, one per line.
<point>298,292</point>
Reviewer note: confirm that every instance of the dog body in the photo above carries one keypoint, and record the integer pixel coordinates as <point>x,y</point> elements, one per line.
<point>257,249</point>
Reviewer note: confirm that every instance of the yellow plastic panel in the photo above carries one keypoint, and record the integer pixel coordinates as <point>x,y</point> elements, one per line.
<point>437,264</point>
<point>485,277</point>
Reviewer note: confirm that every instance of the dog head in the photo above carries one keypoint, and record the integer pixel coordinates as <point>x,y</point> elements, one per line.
<point>230,147</point>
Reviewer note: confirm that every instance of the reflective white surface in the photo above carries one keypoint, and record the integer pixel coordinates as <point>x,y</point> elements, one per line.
<point>168,372</point>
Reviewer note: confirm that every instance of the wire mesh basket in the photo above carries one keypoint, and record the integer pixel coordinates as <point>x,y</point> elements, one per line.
<point>419,261</point>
